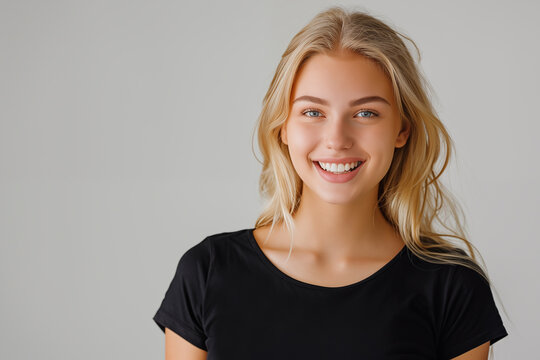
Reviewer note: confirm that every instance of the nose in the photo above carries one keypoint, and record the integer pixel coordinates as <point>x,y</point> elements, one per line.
<point>337,135</point>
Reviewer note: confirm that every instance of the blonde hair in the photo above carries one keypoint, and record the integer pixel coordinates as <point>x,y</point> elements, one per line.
<point>411,195</point>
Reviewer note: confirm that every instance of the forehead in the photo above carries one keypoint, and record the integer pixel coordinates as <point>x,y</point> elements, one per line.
<point>340,77</point>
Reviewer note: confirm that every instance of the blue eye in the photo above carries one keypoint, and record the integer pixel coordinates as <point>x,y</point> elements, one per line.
<point>311,111</point>
<point>367,113</point>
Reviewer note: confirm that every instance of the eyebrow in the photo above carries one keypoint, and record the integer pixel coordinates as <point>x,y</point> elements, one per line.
<point>352,103</point>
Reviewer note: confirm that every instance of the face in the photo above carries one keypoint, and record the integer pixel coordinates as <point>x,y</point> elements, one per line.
<point>342,109</point>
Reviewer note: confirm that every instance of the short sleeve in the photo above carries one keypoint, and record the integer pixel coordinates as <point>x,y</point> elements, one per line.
<point>181,309</point>
<point>470,316</point>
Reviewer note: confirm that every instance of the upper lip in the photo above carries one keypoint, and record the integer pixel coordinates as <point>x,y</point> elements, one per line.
<point>340,160</point>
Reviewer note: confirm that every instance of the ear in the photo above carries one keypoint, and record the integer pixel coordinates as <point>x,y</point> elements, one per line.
<point>403,135</point>
<point>283,134</point>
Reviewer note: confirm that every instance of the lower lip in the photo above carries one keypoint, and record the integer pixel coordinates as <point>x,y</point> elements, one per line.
<point>337,178</point>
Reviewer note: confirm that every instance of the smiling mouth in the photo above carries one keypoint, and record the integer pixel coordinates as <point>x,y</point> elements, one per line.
<point>338,169</point>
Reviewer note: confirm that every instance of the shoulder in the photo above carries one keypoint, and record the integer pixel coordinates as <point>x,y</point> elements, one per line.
<point>441,279</point>
<point>467,287</point>
<point>197,264</point>
<point>450,283</point>
<point>213,245</point>
<point>463,264</point>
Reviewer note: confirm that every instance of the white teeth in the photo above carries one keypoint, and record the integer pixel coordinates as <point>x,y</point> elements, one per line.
<point>339,168</point>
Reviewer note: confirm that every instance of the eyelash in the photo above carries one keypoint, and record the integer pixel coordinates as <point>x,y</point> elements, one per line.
<point>374,114</point>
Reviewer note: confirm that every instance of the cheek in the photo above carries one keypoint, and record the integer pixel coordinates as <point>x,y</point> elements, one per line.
<point>378,139</point>
<point>379,144</point>
<point>301,140</point>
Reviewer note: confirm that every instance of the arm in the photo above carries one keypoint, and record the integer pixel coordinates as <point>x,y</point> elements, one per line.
<point>177,348</point>
<point>478,353</point>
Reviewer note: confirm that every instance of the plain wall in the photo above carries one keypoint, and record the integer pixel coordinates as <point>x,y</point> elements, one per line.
<point>126,138</point>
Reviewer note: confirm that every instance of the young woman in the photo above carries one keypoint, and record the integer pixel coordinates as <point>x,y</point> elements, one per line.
<point>350,144</point>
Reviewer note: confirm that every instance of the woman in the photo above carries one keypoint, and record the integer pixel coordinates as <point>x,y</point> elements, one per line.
<point>350,144</point>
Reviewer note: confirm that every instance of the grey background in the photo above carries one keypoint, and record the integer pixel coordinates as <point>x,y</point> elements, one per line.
<point>126,138</point>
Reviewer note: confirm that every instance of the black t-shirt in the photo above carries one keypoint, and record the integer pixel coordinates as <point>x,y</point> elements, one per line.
<point>229,299</point>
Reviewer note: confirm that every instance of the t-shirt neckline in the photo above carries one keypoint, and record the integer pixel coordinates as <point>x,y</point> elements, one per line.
<point>292,280</point>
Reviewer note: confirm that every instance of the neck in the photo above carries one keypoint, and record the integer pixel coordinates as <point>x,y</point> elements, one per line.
<point>341,230</point>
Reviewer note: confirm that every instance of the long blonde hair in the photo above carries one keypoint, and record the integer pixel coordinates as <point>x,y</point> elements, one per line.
<point>411,195</point>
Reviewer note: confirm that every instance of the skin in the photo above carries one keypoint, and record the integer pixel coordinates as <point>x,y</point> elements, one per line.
<point>341,236</point>
<point>341,224</point>
<point>177,348</point>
